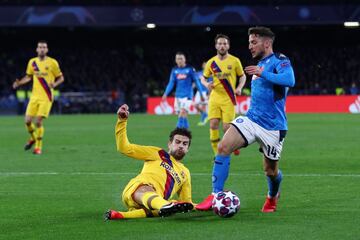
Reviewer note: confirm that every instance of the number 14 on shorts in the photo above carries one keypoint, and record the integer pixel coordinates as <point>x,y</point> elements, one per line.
<point>271,151</point>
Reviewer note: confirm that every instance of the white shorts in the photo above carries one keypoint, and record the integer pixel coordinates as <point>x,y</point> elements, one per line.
<point>182,103</point>
<point>197,99</point>
<point>271,141</point>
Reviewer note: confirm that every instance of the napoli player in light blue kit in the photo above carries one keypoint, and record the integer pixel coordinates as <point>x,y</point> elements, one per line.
<point>200,105</point>
<point>265,122</point>
<point>182,76</point>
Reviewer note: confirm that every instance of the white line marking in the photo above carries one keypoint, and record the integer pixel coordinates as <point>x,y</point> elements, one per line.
<point>192,174</point>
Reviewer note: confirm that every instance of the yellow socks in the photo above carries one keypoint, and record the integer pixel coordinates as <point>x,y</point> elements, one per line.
<point>153,201</point>
<point>139,213</point>
<point>214,139</point>
<point>31,129</point>
<point>39,136</point>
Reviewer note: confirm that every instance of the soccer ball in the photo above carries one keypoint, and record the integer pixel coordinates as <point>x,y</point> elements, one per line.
<point>226,204</point>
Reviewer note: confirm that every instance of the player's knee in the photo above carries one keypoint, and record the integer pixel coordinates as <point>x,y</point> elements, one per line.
<point>38,122</point>
<point>270,172</point>
<point>214,125</point>
<point>223,149</point>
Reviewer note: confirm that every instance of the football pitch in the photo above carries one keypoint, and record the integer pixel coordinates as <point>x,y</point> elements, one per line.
<point>63,193</point>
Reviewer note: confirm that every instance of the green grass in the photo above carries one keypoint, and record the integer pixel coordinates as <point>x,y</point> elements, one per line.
<point>63,193</point>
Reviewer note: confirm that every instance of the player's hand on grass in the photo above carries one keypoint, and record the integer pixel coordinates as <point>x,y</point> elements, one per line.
<point>16,84</point>
<point>123,112</point>
<point>254,70</point>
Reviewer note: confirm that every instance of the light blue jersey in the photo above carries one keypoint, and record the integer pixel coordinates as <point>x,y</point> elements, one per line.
<point>183,78</point>
<point>268,92</point>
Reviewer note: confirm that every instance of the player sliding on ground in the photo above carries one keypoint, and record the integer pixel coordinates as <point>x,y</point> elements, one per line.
<point>162,176</point>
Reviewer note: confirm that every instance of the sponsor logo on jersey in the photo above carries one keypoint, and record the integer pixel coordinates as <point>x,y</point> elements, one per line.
<point>229,67</point>
<point>41,74</point>
<point>222,75</point>
<point>171,171</point>
<point>181,76</point>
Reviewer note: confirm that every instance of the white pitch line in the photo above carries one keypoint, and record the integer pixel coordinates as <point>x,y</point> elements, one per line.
<point>192,174</point>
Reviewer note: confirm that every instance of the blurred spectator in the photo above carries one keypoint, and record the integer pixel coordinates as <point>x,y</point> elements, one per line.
<point>354,90</point>
<point>132,69</point>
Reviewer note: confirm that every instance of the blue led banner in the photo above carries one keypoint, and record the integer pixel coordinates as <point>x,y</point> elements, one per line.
<point>171,16</point>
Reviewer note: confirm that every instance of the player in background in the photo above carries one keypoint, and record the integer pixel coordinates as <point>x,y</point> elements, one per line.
<point>265,122</point>
<point>182,76</point>
<point>46,75</point>
<point>224,68</point>
<point>201,106</point>
<point>162,176</point>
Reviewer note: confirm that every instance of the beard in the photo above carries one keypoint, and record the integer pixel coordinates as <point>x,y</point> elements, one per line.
<point>259,56</point>
<point>177,154</point>
<point>42,55</point>
<point>222,52</point>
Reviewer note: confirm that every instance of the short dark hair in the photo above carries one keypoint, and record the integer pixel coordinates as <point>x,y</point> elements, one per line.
<point>180,53</point>
<point>182,132</point>
<point>262,32</point>
<point>42,41</point>
<point>221,36</point>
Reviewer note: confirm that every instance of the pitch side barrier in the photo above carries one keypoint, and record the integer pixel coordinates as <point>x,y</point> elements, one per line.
<point>294,104</point>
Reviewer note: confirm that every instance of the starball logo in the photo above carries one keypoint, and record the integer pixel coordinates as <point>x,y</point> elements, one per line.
<point>172,172</point>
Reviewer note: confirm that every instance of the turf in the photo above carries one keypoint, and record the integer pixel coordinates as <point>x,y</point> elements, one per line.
<point>64,193</point>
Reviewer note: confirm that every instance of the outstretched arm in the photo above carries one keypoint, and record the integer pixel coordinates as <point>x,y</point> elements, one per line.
<point>122,142</point>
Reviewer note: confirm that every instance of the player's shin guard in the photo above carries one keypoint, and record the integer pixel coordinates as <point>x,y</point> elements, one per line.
<point>31,129</point>
<point>274,184</point>
<point>39,135</point>
<point>214,139</point>
<point>153,201</point>
<point>220,172</point>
